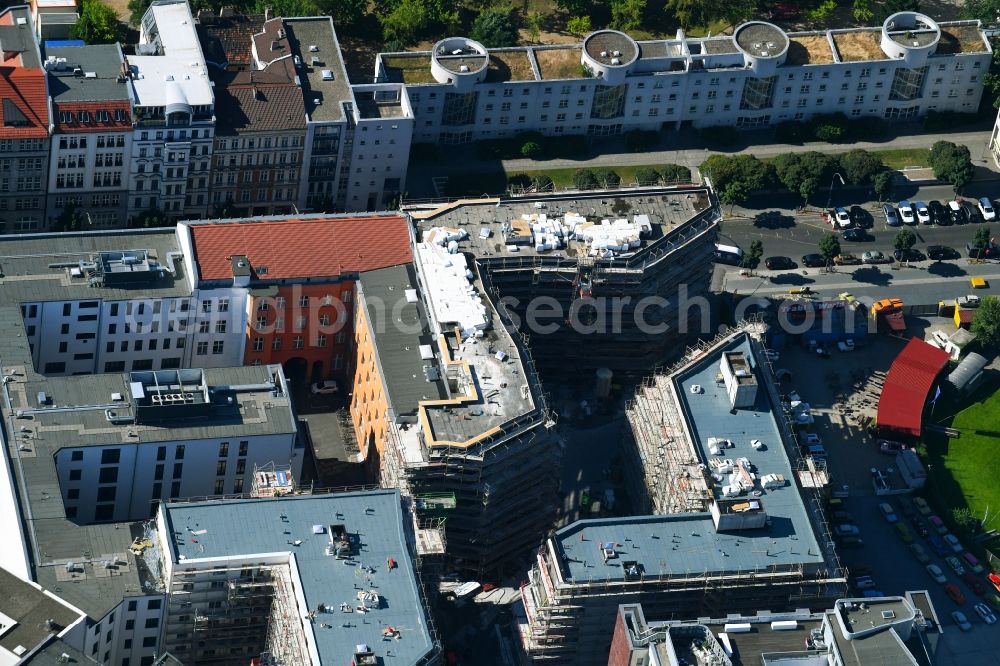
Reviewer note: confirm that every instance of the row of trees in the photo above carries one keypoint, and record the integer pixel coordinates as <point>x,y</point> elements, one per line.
<point>736,177</point>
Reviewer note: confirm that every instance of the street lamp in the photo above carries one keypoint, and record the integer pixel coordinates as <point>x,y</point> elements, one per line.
<point>829,198</point>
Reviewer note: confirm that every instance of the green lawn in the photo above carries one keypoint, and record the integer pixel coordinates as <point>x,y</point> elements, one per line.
<point>965,471</point>
<point>900,158</point>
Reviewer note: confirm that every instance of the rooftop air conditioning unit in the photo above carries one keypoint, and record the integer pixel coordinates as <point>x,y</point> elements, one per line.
<point>463,68</point>
<point>313,48</point>
<point>327,75</point>
<point>616,53</point>
<point>604,54</point>
<point>315,60</point>
<point>616,61</point>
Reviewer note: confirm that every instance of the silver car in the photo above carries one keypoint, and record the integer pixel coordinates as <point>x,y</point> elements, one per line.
<point>960,619</point>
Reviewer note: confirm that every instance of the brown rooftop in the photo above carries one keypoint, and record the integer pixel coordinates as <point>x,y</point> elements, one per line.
<point>225,38</point>
<point>808,50</point>
<point>509,66</point>
<point>859,45</point>
<point>410,68</point>
<point>559,63</point>
<point>258,102</point>
<point>960,39</point>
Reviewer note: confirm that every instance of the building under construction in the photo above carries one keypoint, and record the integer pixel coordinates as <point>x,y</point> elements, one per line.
<point>293,580</point>
<point>614,279</point>
<point>730,529</point>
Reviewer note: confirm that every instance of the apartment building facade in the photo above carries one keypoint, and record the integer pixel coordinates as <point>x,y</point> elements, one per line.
<point>174,116</point>
<point>759,76</point>
<point>26,113</point>
<point>91,144</point>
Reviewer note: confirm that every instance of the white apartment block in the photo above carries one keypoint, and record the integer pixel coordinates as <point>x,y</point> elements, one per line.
<point>759,76</point>
<point>174,112</point>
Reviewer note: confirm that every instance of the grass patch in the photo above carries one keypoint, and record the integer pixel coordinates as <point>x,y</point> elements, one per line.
<point>963,472</point>
<point>900,158</point>
<point>714,28</point>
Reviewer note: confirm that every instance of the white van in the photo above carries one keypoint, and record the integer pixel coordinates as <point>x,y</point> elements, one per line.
<point>728,254</point>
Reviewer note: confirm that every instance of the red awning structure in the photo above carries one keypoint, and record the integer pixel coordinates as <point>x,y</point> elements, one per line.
<point>907,385</point>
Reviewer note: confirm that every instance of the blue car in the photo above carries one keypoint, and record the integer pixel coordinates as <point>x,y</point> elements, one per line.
<point>873,593</point>
<point>938,545</point>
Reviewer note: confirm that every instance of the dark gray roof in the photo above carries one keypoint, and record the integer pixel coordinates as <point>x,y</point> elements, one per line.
<point>103,60</point>
<point>20,38</point>
<point>303,34</point>
<point>57,653</point>
<point>30,607</point>
<point>400,329</point>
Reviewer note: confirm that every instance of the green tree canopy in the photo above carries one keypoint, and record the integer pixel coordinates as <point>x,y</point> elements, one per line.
<point>811,169</point>
<point>982,238</point>
<point>97,24</point>
<point>753,254</point>
<point>986,11</point>
<point>344,12</point>
<point>750,172</point>
<point>647,176</point>
<point>986,323</point>
<point>829,247</point>
<point>627,15</point>
<point>905,239</point>
<point>495,27</point>
<point>575,7</point>
<point>584,179</point>
<point>578,25</point>
<point>882,183</point>
<point>860,166</point>
<point>952,163</point>
<point>406,20</point>
<point>735,193</point>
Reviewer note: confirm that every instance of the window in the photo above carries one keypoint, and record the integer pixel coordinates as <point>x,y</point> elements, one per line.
<point>201,349</point>
<point>223,449</point>
<point>220,468</point>
<point>148,642</point>
<point>220,486</point>
<point>298,342</point>
<point>108,475</point>
<point>258,344</point>
<point>179,452</point>
<point>76,456</point>
<point>110,456</point>
<point>244,446</point>
<point>152,622</point>
<point>217,347</point>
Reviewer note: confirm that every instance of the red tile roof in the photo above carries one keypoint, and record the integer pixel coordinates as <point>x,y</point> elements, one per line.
<point>288,249</point>
<point>94,125</point>
<point>907,387</point>
<point>25,88</point>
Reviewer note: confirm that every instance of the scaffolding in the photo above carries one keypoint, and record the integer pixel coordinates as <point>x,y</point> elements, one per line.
<point>272,480</point>
<point>286,639</point>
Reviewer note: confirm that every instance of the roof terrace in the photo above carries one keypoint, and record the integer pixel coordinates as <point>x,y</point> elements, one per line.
<point>809,49</point>
<point>858,45</point>
<point>562,62</point>
<point>610,47</point>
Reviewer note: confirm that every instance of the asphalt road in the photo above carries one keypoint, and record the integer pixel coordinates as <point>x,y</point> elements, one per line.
<point>794,234</point>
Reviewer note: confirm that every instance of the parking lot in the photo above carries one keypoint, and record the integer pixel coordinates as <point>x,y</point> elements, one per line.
<point>829,385</point>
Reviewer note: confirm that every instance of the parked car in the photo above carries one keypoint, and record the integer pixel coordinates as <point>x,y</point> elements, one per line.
<point>852,542</point>
<point>846,345</point>
<point>841,517</point>
<point>961,621</point>
<point>903,530</point>
<point>906,212</point>
<point>778,263</point>
<point>861,218</point>
<point>993,601</point>
<point>846,530</point>
<point>888,512</point>
<point>908,255</point>
<point>326,387</point>
<point>952,541</point>
<point>864,582</point>
<point>923,213</point>
<point>841,218</point>
<point>846,260</point>
<point>813,261</point>
<point>922,506</point>
<point>941,252</point>
<point>976,252</point>
<point>891,216</point>
<point>974,583</point>
<point>994,581</point>
<point>987,210</point>
<point>874,257</point>
<point>972,212</point>
<point>957,213</point>
<point>936,573</point>
<point>919,553</point>
<point>955,565</point>
<point>984,612</point>
<point>855,235</point>
<point>889,447</point>
<point>968,301</point>
<point>811,439</point>
<point>956,594</point>
<point>939,214</point>
<point>937,545</point>
<point>937,524</point>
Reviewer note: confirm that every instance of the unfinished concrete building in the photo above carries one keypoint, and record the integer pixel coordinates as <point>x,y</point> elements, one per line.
<point>446,406</point>
<point>730,531</point>
<point>613,280</point>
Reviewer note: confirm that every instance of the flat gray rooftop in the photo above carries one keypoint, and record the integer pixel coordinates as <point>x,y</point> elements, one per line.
<point>687,544</point>
<point>35,267</point>
<point>668,211</point>
<point>314,38</point>
<point>57,653</point>
<point>234,528</point>
<point>601,46</point>
<point>104,61</point>
<point>369,107</point>
<point>30,607</point>
<point>762,40</point>
<point>400,329</point>
<point>748,647</point>
<point>884,648</point>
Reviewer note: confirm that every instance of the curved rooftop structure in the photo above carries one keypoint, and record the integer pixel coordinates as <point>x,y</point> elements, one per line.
<point>764,46</point>
<point>911,36</point>
<point>460,61</point>
<point>609,54</point>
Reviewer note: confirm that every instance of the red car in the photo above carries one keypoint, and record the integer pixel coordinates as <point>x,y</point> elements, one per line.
<point>974,584</point>
<point>995,580</point>
<point>956,594</point>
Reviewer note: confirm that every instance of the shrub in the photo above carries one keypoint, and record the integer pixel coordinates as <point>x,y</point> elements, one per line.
<point>495,27</point>
<point>639,141</point>
<point>532,150</point>
<point>584,179</point>
<point>519,181</point>
<point>791,131</point>
<point>578,25</point>
<point>647,176</point>
<point>675,173</point>
<point>829,126</point>
<point>608,178</point>
<point>721,135</point>
<point>542,183</point>
<point>829,133</point>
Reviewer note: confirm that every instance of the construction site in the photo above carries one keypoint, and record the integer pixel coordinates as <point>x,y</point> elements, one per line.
<point>293,580</point>
<point>611,280</point>
<point>731,521</point>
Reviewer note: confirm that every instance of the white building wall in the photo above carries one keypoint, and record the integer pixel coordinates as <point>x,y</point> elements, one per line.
<point>70,159</point>
<point>96,491</point>
<point>129,631</point>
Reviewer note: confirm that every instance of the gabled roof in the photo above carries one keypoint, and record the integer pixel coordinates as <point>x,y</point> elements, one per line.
<point>25,109</point>
<point>226,38</point>
<point>257,102</point>
<point>291,248</point>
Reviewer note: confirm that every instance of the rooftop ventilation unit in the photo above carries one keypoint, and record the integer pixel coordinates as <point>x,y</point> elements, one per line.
<point>463,68</point>
<point>90,75</point>
<point>313,48</point>
<point>888,614</point>
<point>315,60</point>
<point>616,61</point>
<point>604,54</point>
<point>616,53</point>
<point>327,75</point>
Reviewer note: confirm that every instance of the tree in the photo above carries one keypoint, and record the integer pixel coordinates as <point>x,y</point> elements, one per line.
<point>885,8</point>
<point>735,193</point>
<point>808,187</point>
<point>534,27</point>
<point>291,8</point>
<point>647,176</point>
<point>804,173</point>
<point>965,520</point>
<point>97,24</point>
<point>406,20</point>
<point>863,13</point>
<point>986,323</point>
<point>692,13</point>
<point>626,15</point>
<point>608,178</point>
<point>575,7</point>
<point>136,9</point>
<point>952,163</point>
<point>747,170</point>
<point>584,179</point>
<point>542,183</point>
<point>882,183</point>
<point>70,219</point>
<point>531,150</point>
<point>986,11</point>
<point>578,25</point>
<point>822,11</point>
<point>905,239</point>
<point>153,217</point>
<point>982,238</point>
<point>675,173</point>
<point>495,27</point>
<point>829,247</point>
<point>344,12</point>
<point>860,166</point>
<point>753,255</point>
